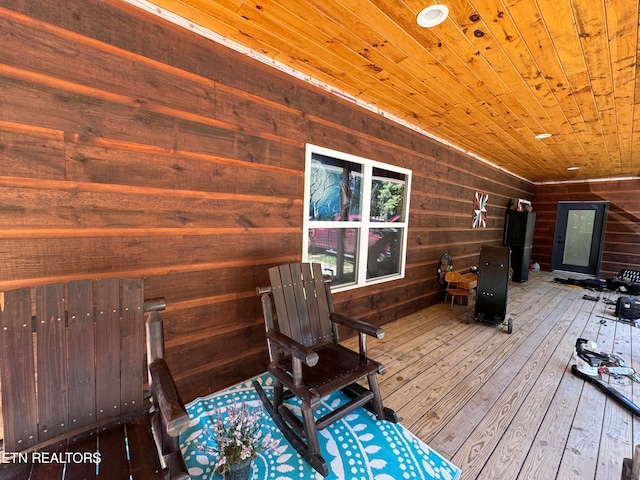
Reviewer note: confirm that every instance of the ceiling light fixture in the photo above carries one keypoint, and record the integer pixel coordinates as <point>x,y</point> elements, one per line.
<point>432,16</point>
<point>572,168</point>
<point>543,135</point>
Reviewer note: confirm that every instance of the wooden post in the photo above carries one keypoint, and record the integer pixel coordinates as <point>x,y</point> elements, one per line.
<point>635,471</point>
<point>155,347</point>
<point>155,338</point>
<point>631,466</point>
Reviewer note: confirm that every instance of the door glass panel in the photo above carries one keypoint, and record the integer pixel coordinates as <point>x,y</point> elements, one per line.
<point>577,249</point>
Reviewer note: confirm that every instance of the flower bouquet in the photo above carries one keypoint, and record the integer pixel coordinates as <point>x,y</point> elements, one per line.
<point>239,438</point>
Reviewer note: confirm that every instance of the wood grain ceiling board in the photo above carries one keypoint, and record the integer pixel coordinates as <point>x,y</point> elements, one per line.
<point>487,80</point>
<point>622,35</point>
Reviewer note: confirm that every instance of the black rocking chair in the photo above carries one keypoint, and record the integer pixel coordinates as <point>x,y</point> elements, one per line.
<point>305,357</point>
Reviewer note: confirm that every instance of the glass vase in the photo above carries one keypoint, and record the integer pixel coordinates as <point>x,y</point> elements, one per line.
<point>239,471</point>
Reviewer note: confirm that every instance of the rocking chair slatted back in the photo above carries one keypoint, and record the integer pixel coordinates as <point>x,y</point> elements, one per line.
<point>302,304</point>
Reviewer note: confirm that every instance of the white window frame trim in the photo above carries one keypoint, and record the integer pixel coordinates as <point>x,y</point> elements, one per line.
<point>364,224</point>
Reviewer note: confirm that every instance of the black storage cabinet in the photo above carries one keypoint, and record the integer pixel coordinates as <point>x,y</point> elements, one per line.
<point>518,234</point>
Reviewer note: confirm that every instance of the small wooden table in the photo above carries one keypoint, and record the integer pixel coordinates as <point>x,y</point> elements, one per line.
<point>470,282</point>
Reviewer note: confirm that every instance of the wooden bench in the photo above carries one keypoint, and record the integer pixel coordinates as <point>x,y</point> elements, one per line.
<point>73,376</point>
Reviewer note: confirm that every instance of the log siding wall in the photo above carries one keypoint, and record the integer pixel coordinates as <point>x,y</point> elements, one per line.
<point>130,147</point>
<point>622,235</point>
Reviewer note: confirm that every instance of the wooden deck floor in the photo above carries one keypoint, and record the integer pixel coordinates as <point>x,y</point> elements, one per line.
<point>506,406</point>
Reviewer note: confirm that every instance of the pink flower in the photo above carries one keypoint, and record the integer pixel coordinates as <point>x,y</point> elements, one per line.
<point>237,436</point>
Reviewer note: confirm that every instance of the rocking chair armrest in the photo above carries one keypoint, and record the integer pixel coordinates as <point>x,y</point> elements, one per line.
<point>306,355</point>
<point>359,325</point>
<point>172,410</point>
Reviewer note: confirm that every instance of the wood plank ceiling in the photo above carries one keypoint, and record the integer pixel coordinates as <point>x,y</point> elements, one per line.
<point>488,79</point>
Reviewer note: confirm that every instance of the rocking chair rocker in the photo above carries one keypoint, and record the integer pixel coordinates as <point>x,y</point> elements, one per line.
<point>306,358</point>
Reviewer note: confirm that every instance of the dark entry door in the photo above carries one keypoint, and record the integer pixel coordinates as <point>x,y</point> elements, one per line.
<point>579,236</point>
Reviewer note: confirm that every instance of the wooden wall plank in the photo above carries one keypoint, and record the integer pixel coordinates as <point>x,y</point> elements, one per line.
<point>101,161</point>
<point>209,346</point>
<point>50,257</point>
<point>81,207</point>
<point>31,153</point>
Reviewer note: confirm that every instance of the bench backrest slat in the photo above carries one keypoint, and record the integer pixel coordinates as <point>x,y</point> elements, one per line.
<point>81,339</point>
<point>16,342</point>
<point>133,349</point>
<point>108,348</point>
<point>52,380</point>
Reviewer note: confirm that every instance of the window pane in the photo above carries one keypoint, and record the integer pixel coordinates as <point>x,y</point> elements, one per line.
<point>335,189</point>
<point>384,252</point>
<point>335,249</point>
<point>387,196</point>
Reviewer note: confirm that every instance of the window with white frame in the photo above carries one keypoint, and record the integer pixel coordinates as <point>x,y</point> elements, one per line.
<point>356,217</point>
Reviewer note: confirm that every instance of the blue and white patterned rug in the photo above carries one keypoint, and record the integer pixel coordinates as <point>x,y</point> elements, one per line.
<point>357,447</point>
